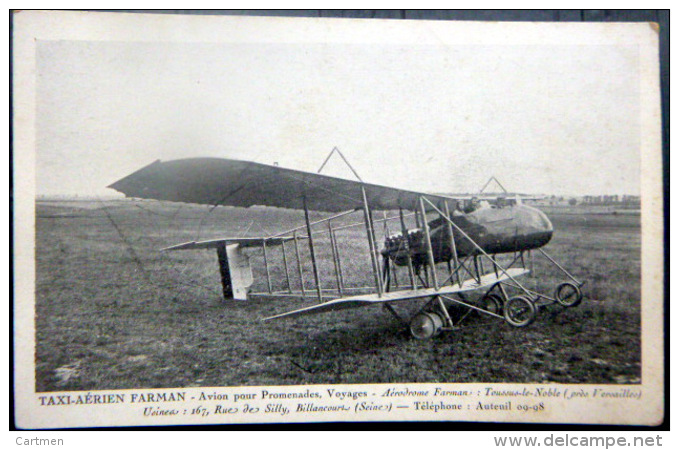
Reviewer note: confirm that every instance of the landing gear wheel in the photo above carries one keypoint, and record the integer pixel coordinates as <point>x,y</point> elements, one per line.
<point>568,295</point>
<point>519,311</point>
<point>492,303</point>
<point>426,325</point>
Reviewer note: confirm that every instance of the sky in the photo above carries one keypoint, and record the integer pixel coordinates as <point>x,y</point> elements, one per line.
<point>543,119</point>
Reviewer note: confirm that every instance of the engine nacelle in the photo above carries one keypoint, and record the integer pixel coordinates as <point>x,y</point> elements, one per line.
<point>496,230</point>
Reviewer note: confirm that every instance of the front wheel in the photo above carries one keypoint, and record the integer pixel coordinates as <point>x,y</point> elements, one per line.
<point>519,311</point>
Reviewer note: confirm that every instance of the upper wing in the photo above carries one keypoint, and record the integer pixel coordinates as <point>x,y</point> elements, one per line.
<point>215,181</point>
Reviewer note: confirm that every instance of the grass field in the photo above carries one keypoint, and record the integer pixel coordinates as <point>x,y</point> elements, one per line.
<point>113,312</point>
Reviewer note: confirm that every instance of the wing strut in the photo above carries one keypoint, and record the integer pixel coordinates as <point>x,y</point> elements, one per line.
<point>446,209</point>
<point>406,245</point>
<point>266,266</point>
<point>371,243</point>
<point>430,252</point>
<point>319,290</point>
<point>335,259</point>
<point>287,271</point>
<point>299,263</point>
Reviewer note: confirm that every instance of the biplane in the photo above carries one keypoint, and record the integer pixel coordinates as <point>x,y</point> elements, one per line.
<point>450,253</point>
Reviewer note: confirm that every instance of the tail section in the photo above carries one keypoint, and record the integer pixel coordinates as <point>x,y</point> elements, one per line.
<point>234,265</point>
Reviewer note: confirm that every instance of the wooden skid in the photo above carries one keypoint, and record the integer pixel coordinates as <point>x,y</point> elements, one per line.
<point>358,301</point>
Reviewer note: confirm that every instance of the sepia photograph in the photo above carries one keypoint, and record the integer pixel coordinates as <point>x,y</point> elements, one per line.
<point>300,220</point>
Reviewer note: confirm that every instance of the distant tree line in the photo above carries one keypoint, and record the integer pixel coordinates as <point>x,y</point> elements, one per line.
<point>611,200</point>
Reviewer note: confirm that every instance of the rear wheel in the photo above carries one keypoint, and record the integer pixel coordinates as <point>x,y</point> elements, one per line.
<point>492,303</point>
<point>519,311</point>
<point>568,294</point>
<point>426,325</point>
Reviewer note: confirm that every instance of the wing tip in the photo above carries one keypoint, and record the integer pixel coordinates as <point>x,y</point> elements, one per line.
<point>181,246</point>
<point>119,185</point>
<point>279,316</point>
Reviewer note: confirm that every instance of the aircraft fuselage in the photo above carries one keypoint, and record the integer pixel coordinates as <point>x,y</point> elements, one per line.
<point>506,229</point>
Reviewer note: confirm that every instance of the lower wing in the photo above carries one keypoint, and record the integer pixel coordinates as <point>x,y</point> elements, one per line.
<point>411,294</point>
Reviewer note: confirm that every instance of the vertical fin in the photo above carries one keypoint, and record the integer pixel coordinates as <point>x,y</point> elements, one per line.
<point>227,286</point>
